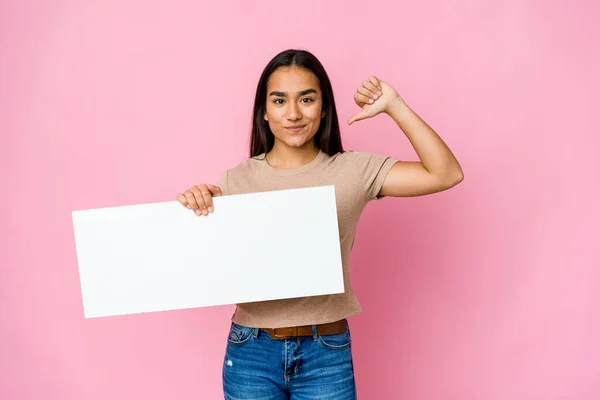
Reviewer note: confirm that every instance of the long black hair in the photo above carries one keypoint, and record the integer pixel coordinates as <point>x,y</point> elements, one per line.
<point>328,137</point>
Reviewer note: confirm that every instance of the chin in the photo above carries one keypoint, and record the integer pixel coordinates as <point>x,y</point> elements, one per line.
<point>297,142</point>
<point>294,140</point>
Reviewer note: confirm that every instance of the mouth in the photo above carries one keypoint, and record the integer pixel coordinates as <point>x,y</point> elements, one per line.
<point>295,128</point>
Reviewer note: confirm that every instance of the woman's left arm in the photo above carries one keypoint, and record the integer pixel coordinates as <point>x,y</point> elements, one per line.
<point>437,169</point>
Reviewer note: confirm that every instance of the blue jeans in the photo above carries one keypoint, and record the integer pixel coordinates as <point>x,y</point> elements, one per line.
<point>311,367</point>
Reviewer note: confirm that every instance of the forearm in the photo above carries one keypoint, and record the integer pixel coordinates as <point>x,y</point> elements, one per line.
<point>434,154</point>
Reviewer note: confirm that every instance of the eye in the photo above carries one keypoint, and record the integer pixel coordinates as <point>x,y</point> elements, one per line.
<point>278,101</point>
<point>308,100</point>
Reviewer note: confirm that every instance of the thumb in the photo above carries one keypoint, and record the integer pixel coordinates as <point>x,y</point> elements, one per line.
<point>357,117</point>
<point>214,190</point>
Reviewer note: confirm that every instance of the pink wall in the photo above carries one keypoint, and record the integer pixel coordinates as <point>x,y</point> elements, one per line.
<point>488,291</point>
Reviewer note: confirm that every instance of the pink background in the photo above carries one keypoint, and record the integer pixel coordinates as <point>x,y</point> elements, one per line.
<point>488,291</point>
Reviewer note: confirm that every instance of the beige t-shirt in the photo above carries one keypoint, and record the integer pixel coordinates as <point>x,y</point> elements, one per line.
<point>358,178</point>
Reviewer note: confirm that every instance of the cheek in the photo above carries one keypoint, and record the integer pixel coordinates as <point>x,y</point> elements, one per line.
<point>273,115</point>
<point>315,112</point>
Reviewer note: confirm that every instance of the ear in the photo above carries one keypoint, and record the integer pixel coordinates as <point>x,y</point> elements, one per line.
<point>322,114</point>
<point>266,117</point>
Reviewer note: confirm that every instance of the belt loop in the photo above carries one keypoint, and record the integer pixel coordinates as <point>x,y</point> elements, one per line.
<point>314,329</point>
<point>255,333</point>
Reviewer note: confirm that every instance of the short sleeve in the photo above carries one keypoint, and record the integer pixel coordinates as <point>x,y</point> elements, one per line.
<point>372,171</point>
<point>223,183</point>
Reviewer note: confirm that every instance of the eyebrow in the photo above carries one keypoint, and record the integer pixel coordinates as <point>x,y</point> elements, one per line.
<point>301,93</point>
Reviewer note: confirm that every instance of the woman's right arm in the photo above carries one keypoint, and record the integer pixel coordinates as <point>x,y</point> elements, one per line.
<point>198,198</point>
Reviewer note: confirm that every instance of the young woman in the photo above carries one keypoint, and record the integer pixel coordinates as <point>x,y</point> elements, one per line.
<point>300,348</point>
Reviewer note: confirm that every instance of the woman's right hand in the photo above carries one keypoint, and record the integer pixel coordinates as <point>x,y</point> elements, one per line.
<point>199,198</point>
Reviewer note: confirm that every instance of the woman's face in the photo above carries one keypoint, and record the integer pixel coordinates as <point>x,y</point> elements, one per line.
<point>294,106</point>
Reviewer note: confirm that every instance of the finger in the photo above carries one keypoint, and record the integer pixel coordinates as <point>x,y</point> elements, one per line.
<point>181,198</point>
<point>215,190</point>
<point>377,82</point>
<point>196,190</point>
<point>361,99</point>
<point>357,117</point>
<point>366,91</point>
<point>191,200</point>
<point>368,94</point>
<point>207,200</point>
<point>372,88</point>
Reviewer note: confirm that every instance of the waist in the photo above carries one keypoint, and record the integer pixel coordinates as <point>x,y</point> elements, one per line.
<point>332,328</point>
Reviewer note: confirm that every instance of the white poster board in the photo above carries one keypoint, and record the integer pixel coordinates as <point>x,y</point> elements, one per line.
<point>254,247</point>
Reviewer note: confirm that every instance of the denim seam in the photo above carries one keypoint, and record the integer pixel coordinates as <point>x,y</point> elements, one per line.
<point>333,347</point>
<point>239,334</point>
<point>285,365</point>
<point>336,347</point>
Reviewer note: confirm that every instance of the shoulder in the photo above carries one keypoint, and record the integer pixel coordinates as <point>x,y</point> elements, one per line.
<point>368,170</point>
<point>353,156</point>
<point>357,159</point>
<point>240,173</point>
<point>249,166</point>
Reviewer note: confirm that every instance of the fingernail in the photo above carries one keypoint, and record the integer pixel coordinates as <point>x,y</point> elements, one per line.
<point>204,212</point>
<point>375,96</point>
<point>210,209</point>
<point>188,206</point>
<point>197,212</point>
<point>379,93</point>
<point>371,101</point>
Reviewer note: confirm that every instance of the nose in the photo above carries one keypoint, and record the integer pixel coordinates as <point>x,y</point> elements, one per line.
<point>293,112</point>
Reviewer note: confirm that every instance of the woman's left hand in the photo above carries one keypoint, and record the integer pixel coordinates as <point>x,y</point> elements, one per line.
<point>374,97</point>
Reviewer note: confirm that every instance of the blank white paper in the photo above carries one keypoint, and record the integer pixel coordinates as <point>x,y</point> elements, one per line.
<point>253,247</point>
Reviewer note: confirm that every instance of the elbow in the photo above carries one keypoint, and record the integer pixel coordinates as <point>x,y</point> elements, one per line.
<point>460,176</point>
<point>454,178</point>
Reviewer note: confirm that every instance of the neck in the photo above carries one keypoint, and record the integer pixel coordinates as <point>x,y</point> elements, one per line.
<point>285,157</point>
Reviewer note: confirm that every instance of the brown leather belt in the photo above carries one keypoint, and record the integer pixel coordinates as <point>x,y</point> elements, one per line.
<point>332,328</point>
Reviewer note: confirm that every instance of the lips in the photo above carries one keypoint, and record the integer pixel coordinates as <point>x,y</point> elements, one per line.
<point>295,128</point>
